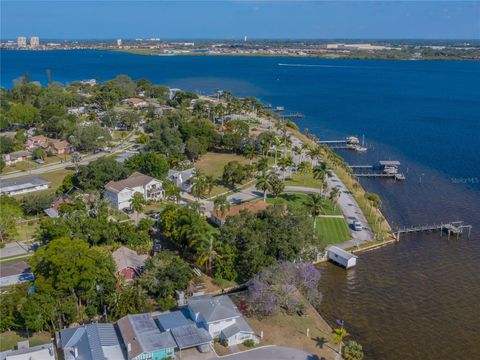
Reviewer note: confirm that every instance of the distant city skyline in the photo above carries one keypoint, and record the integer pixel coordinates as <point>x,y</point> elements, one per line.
<point>237,19</point>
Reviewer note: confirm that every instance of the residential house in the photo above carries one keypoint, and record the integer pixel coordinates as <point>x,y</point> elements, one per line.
<point>221,318</point>
<point>15,273</point>
<point>143,339</point>
<point>120,193</point>
<point>90,342</point>
<point>25,352</point>
<point>22,186</point>
<point>181,178</point>
<point>129,263</point>
<point>219,218</point>
<point>52,146</point>
<point>136,102</point>
<point>16,157</point>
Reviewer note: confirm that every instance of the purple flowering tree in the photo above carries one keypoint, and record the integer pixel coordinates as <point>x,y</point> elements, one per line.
<point>281,288</point>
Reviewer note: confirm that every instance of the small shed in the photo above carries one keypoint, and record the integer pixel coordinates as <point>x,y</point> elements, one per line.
<point>341,257</point>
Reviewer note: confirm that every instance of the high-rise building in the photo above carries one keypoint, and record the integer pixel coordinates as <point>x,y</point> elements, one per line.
<point>21,41</point>
<point>119,42</point>
<point>34,41</point>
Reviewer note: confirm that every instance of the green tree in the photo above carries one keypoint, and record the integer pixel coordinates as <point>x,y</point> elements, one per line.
<point>23,114</point>
<point>335,195</point>
<point>352,351</point>
<point>264,183</point>
<point>127,299</point>
<point>314,204</point>
<point>304,168</point>
<point>149,163</point>
<point>320,172</point>
<point>233,173</point>
<point>36,203</point>
<point>39,153</point>
<point>221,204</point>
<point>277,185</point>
<point>10,212</point>
<point>97,173</point>
<point>164,273</point>
<point>137,203</point>
<point>338,335</point>
<point>249,152</point>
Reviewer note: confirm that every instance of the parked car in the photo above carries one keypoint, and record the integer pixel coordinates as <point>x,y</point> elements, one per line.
<point>154,215</point>
<point>127,210</point>
<point>357,225</point>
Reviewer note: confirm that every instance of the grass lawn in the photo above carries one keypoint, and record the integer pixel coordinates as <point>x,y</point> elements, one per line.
<point>212,163</point>
<point>55,177</point>
<point>21,166</point>
<point>26,230</point>
<point>297,200</point>
<point>332,230</point>
<point>291,330</point>
<point>299,180</point>
<point>9,339</point>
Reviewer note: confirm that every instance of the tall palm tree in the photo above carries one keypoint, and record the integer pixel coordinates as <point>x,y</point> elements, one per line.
<point>314,204</point>
<point>209,184</point>
<point>314,153</point>
<point>284,164</point>
<point>320,172</point>
<point>221,204</point>
<point>199,185</point>
<point>249,152</point>
<point>203,240</point>
<point>264,183</point>
<point>334,195</point>
<point>262,164</point>
<point>137,203</point>
<point>276,143</point>
<point>304,168</point>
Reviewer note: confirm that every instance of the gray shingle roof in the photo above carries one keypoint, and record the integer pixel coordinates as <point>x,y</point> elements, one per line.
<point>126,258</point>
<point>214,309</point>
<point>134,180</point>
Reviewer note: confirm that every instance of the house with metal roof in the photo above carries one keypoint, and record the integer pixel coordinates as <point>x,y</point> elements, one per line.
<point>221,318</point>
<point>186,333</point>
<point>120,193</point>
<point>24,185</point>
<point>90,342</point>
<point>143,339</point>
<point>25,352</point>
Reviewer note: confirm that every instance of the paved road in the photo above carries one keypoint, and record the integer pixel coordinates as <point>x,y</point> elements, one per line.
<point>272,353</point>
<point>18,248</point>
<point>85,160</point>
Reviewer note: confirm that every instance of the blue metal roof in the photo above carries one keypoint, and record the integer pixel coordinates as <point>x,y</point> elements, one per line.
<point>173,320</point>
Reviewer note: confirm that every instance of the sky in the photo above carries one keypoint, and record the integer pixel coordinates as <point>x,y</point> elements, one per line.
<point>296,19</point>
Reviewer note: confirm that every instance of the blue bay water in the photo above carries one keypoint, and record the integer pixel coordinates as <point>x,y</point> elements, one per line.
<point>413,300</point>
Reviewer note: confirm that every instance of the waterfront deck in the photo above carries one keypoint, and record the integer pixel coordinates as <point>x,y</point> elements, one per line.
<point>451,228</point>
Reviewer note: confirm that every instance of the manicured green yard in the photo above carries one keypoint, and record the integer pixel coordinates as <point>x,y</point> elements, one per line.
<point>300,180</point>
<point>26,230</point>
<point>297,200</point>
<point>212,163</point>
<point>332,230</point>
<point>9,339</point>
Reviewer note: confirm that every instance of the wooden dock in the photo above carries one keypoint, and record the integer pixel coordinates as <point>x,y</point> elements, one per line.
<point>292,116</point>
<point>451,228</point>
<point>384,168</point>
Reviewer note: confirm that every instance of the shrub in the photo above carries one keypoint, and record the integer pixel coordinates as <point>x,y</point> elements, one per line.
<point>224,342</point>
<point>352,351</point>
<point>166,303</point>
<point>249,343</point>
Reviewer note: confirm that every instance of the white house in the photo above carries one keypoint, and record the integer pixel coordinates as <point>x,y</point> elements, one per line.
<point>120,193</point>
<point>181,178</point>
<point>221,318</point>
<point>22,186</point>
<point>341,257</point>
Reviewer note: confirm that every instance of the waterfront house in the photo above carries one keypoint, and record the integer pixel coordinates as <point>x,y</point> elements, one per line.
<point>90,342</point>
<point>220,317</point>
<point>143,339</point>
<point>129,264</point>
<point>51,146</point>
<point>25,352</point>
<point>219,218</point>
<point>22,186</point>
<point>16,157</point>
<point>341,257</point>
<point>120,193</point>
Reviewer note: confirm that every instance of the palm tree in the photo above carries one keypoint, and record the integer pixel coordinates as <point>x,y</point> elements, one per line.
<point>264,184</point>
<point>314,153</point>
<point>284,164</point>
<point>262,164</point>
<point>76,158</point>
<point>221,204</point>
<point>334,195</point>
<point>137,203</point>
<point>314,204</point>
<point>209,184</point>
<point>320,172</point>
<point>199,185</point>
<point>276,143</point>
<point>203,238</point>
<point>338,335</point>
<point>249,152</point>
<point>304,168</point>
